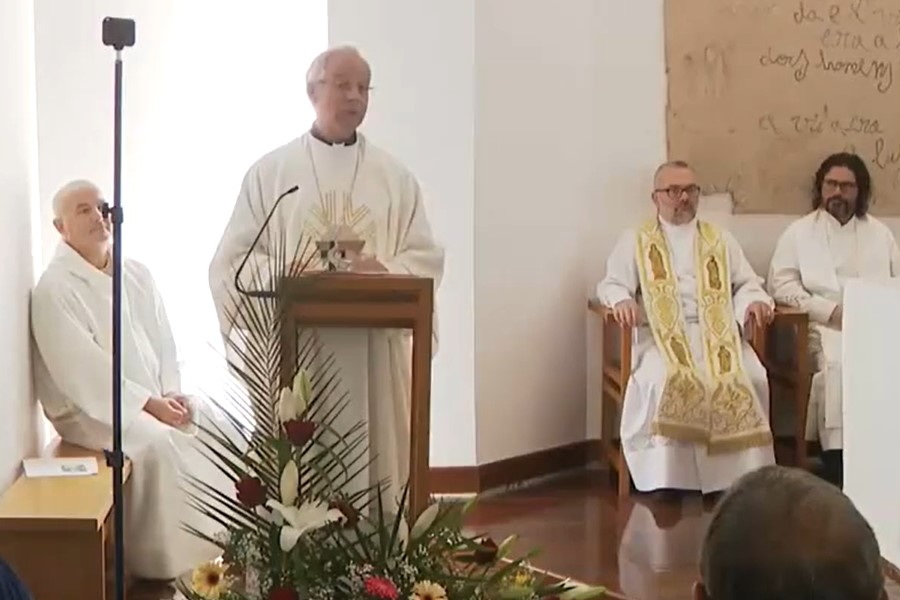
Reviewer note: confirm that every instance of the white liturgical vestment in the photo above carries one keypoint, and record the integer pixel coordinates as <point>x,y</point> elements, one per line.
<point>813,260</point>
<point>655,461</point>
<point>359,188</point>
<point>72,330</point>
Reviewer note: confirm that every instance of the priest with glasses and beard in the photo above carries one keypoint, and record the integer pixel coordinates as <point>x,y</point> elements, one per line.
<point>813,260</point>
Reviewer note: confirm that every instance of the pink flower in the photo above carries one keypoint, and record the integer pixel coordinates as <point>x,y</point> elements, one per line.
<point>381,588</point>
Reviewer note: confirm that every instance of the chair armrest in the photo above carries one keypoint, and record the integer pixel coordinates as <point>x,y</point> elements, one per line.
<point>603,311</point>
<point>790,315</point>
<point>783,315</point>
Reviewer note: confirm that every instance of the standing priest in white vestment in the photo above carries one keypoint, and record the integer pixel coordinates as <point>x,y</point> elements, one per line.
<point>72,329</point>
<point>696,405</point>
<point>813,259</point>
<point>345,183</point>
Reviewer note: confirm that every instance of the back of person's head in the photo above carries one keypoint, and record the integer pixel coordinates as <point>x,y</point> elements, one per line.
<point>784,534</point>
<point>11,587</point>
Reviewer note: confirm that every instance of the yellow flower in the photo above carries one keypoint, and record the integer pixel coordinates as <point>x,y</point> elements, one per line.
<point>426,590</point>
<point>209,581</point>
<point>522,579</point>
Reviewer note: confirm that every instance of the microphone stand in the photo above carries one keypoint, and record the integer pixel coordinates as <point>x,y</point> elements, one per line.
<point>117,33</point>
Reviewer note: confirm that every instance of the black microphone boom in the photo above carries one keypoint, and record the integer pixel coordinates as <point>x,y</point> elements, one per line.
<point>237,275</point>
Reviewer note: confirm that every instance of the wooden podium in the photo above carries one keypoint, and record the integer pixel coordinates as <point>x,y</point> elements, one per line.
<point>371,301</point>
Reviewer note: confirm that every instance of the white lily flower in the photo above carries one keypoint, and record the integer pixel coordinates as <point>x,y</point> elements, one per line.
<point>290,481</point>
<point>583,592</point>
<point>425,520</point>
<point>302,389</point>
<point>288,407</point>
<point>308,517</point>
<point>505,545</point>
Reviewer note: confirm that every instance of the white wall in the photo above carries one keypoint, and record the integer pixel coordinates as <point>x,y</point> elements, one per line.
<point>208,88</point>
<point>534,129</point>
<point>871,329</point>
<point>631,138</point>
<point>567,106</point>
<point>536,112</point>
<point>19,435</point>
<point>421,110</point>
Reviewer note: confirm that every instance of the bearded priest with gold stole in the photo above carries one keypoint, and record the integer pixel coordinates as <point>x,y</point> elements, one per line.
<point>696,406</point>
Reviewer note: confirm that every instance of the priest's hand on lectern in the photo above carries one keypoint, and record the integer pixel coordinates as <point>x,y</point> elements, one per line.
<point>367,264</point>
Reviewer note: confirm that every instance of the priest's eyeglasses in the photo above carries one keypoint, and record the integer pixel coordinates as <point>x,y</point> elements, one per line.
<point>675,191</point>
<point>844,186</point>
<point>345,87</point>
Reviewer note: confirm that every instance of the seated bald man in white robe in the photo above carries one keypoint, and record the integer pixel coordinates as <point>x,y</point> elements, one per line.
<point>813,260</point>
<point>347,187</point>
<point>72,330</point>
<point>696,405</point>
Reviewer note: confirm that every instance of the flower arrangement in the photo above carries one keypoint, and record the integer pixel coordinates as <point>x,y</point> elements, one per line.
<point>295,527</point>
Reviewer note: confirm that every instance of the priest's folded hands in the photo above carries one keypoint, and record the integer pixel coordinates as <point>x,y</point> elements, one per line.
<point>174,410</point>
<point>364,263</point>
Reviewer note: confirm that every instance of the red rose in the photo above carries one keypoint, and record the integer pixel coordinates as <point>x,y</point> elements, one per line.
<point>381,588</point>
<point>250,491</point>
<point>299,432</point>
<point>486,553</point>
<point>283,593</point>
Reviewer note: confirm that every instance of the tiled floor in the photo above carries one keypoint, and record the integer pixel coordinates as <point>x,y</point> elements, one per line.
<point>645,548</point>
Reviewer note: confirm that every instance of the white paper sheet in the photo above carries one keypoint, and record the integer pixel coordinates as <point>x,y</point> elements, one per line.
<point>60,467</point>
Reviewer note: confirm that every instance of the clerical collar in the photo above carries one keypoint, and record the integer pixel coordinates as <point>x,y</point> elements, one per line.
<point>313,132</point>
<point>678,227</point>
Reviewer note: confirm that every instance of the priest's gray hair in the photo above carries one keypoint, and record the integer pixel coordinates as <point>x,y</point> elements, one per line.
<point>316,72</point>
<point>671,164</point>
<point>73,187</point>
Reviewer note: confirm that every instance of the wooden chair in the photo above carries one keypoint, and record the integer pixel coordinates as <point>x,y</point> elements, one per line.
<point>615,371</point>
<point>788,334</point>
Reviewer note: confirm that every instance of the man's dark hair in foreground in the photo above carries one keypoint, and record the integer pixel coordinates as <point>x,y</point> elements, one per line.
<point>784,534</point>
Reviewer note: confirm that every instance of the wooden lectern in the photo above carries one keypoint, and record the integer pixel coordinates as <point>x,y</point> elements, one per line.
<point>372,301</point>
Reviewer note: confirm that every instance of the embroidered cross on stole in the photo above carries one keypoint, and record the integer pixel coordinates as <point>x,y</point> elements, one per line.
<point>718,407</point>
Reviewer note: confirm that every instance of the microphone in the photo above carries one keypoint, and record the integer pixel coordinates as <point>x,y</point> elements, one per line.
<point>237,275</point>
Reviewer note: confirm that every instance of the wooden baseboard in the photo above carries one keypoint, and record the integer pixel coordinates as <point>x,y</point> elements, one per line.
<point>890,570</point>
<point>480,478</point>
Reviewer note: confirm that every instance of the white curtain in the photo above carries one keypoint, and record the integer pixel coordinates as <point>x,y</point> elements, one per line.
<point>208,88</point>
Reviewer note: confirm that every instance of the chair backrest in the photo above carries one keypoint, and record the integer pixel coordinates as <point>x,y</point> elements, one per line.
<point>717,209</point>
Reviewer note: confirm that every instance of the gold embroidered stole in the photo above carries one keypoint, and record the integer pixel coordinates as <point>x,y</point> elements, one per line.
<point>719,407</point>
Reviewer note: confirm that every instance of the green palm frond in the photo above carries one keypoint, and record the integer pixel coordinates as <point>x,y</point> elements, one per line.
<point>252,449</point>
